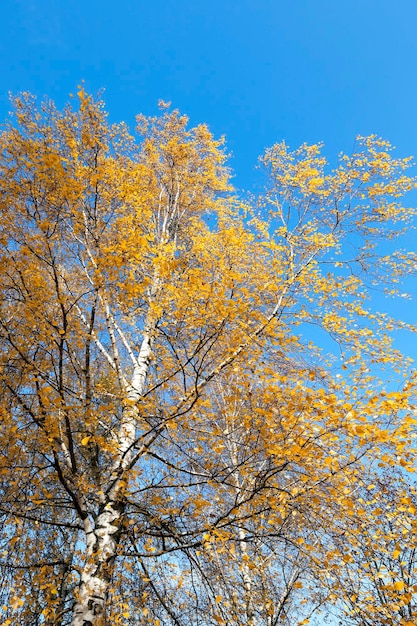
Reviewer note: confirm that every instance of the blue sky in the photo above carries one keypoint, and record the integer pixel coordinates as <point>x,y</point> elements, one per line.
<point>258,71</point>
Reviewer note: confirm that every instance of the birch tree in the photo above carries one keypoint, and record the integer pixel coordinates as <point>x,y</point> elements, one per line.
<point>375,582</point>
<point>162,402</point>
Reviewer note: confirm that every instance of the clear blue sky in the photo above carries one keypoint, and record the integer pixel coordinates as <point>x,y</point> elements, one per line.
<point>257,71</point>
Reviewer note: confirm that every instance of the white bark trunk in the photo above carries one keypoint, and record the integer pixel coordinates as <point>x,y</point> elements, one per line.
<point>247,577</point>
<point>101,546</point>
<point>243,544</point>
<point>102,538</point>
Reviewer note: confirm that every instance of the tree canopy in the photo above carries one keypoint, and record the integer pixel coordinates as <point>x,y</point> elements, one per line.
<point>203,410</point>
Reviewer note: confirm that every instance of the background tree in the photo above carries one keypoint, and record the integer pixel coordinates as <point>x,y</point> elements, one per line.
<point>375,580</point>
<point>162,403</point>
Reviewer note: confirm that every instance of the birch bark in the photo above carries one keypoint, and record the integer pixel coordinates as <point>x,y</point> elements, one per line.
<point>103,533</point>
<point>243,544</point>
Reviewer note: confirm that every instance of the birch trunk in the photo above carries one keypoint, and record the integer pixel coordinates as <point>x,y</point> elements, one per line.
<point>103,534</point>
<point>243,544</point>
<point>102,540</point>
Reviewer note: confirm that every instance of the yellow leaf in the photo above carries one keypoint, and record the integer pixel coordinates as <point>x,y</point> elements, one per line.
<point>396,553</point>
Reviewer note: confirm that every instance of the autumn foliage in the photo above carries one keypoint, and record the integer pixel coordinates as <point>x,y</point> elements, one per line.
<point>204,419</point>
